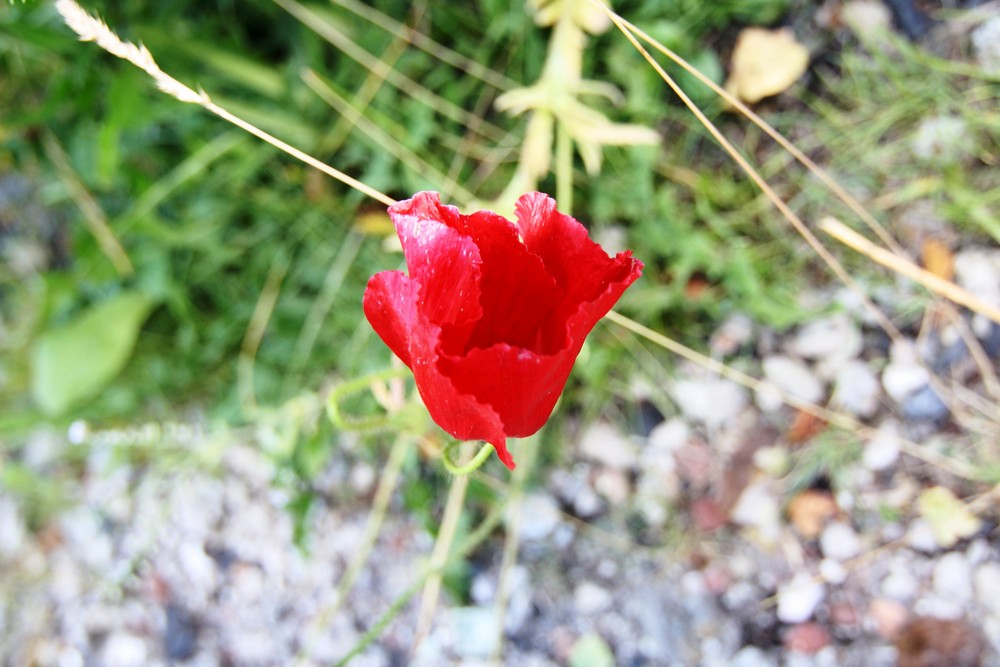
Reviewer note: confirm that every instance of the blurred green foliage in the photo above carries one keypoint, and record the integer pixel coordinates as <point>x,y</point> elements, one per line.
<point>205,213</point>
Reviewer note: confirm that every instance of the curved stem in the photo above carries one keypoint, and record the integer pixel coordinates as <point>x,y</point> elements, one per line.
<point>465,469</point>
<point>340,391</point>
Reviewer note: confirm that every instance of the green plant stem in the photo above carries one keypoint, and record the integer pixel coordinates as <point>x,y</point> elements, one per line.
<point>471,542</point>
<point>513,539</point>
<point>340,391</point>
<point>472,466</point>
<point>380,506</point>
<point>439,557</point>
<point>564,169</point>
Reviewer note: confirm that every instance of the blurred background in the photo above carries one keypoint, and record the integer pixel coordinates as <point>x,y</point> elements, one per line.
<point>177,298</point>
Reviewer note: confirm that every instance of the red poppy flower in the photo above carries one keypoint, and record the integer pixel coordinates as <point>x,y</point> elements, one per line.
<point>493,313</point>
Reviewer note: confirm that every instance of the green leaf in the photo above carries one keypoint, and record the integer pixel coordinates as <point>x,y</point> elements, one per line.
<point>74,362</point>
<point>591,651</point>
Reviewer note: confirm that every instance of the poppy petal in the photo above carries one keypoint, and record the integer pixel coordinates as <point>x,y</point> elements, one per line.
<point>392,306</point>
<point>445,262</point>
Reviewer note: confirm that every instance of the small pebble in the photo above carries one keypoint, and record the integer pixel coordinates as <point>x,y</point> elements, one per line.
<point>832,571</point>
<point>987,586</point>
<point>904,375</point>
<point>883,450</point>
<point>834,338</point>
<point>793,378</point>
<point>539,517</point>
<point>856,389</point>
<point>589,598</point>
<point>124,650</point>
<point>734,333</point>
<point>475,632</point>
<point>839,541</point>
<point>925,405</point>
<point>751,656</point>
<point>888,616</point>
<point>798,599</point>
<point>604,444</point>
<point>953,578</point>
<point>807,638</point>
<point>986,44</point>
<point>943,139</point>
<point>710,401</point>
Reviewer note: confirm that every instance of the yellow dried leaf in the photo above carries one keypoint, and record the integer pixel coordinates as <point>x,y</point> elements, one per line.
<point>937,259</point>
<point>810,510</point>
<point>374,223</point>
<point>948,517</point>
<point>765,63</point>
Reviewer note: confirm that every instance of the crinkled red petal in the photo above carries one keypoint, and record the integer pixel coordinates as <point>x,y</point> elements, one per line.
<point>392,304</point>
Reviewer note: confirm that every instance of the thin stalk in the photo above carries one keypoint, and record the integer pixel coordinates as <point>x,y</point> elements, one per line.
<point>439,557</point>
<point>564,169</point>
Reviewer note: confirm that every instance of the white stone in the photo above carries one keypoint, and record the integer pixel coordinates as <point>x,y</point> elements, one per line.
<point>734,333</point>
<point>363,478</point>
<point>793,378</point>
<point>882,451</point>
<point>711,401</point>
<point>475,630</point>
<point>839,541</point>
<point>902,377</point>
<point>752,656</point>
<point>869,19</point>
<point>986,44</point>
<point>589,598</point>
<point>124,650</point>
<point>668,436</point>
<point>987,585</point>
<point>604,444</point>
<point>978,271</point>
<point>856,389</point>
<point>942,139</point>
<point>539,517</point>
<point>612,484</point>
<point>758,508</point>
<point>953,578</point>
<point>768,397</point>
<point>11,527</point>
<point>900,585</point>
<point>832,571</point>
<point>798,599</point>
<point>920,536</point>
<point>835,337</point>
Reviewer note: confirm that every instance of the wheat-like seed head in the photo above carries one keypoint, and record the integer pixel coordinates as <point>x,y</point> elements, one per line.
<point>91,29</point>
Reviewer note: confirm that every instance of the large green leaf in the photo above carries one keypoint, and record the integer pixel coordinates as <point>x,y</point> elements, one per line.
<point>74,362</point>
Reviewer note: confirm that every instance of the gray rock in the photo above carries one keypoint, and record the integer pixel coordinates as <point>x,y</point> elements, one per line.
<point>925,405</point>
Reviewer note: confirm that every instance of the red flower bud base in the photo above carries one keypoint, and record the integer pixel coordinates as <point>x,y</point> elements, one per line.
<point>493,313</point>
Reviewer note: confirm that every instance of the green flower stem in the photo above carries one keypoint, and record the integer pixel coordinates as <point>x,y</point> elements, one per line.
<point>477,537</point>
<point>512,539</point>
<point>439,557</point>
<point>380,506</point>
<point>564,169</point>
<point>339,392</point>
<point>472,466</point>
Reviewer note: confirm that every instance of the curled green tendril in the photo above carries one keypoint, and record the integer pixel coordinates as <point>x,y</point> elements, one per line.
<point>341,391</point>
<point>464,469</point>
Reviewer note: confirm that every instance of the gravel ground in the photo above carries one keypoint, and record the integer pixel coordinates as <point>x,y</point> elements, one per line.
<point>734,532</point>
